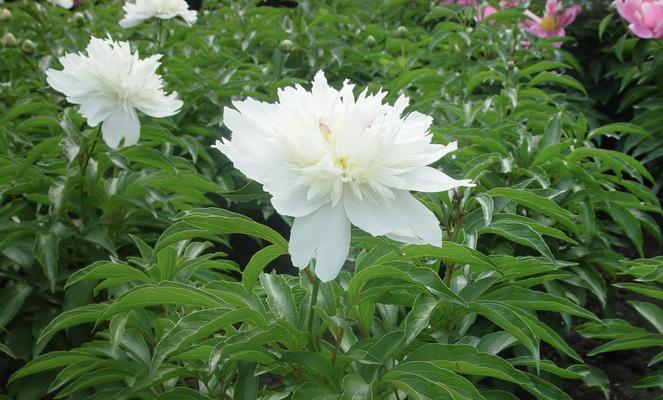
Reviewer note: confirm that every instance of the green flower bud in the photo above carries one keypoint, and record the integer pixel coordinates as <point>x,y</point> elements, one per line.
<point>78,18</point>
<point>28,46</point>
<point>5,14</point>
<point>8,40</point>
<point>286,44</point>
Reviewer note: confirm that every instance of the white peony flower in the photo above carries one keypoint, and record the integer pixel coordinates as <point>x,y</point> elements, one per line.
<point>109,83</point>
<point>331,160</point>
<point>140,10</point>
<point>63,3</point>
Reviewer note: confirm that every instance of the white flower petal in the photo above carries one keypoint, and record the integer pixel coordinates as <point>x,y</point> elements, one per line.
<point>323,235</point>
<point>422,222</point>
<point>121,124</point>
<point>428,179</point>
<point>402,218</point>
<point>140,10</point>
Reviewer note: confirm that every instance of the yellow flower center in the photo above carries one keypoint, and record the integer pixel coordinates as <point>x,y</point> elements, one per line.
<point>548,24</point>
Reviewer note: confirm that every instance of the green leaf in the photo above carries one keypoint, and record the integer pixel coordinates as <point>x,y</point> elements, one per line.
<point>521,234</point>
<point>205,222</point>
<point>316,363</point>
<point>165,293</point>
<point>615,160</point>
<point>553,133</point>
<point>629,344</point>
<point>487,206</point>
<point>425,380</point>
<point>424,278</point>
<point>246,385</point>
<point>107,270</point>
<point>511,321</point>
<point>539,204</point>
<point>621,127</point>
<point>604,24</point>
<point>450,252</point>
<point>279,297</point>
<point>356,388</point>
<point>563,80</point>
<point>88,313</point>
<point>467,360</point>
<point>55,359</point>
<point>647,290</point>
<point>47,252</point>
<point>541,66</point>
<point>536,300</point>
<point>418,318</point>
<point>12,299</point>
<point>6,350</point>
<point>258,262</point>
<point>651,312</point>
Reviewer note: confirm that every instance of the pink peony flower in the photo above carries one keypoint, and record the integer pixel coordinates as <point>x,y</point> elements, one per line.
<point>555,19</point>
<point>645,17</point>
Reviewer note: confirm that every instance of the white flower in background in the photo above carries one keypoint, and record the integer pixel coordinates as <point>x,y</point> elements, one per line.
<point>110,83</point>
<point>140,10</point>
<point>63,3</point>
<point>331,160</point>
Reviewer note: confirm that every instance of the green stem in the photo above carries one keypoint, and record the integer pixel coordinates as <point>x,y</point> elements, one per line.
<point>160,36</point>
<point>448,274</point>
<point>339,339</point>
<point>83,162</point>
<point>311,307</point>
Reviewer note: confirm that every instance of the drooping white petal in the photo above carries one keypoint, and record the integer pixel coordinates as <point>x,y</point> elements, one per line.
<point>424,228</point>
<point>121,124</point>
<point>402,218</point>
<point>324,235</point>
<point>428,179</point>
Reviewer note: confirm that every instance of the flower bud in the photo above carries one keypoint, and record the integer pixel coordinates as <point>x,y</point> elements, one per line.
<point>8,40</point>
<point>78,18</point>
<point>370,40</point>
<point>28,46</point>
<point>401,30</point>
<point>5,14</point>
<point>286,44</point>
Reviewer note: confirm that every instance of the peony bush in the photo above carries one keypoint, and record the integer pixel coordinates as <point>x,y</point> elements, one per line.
<point>330,200</point>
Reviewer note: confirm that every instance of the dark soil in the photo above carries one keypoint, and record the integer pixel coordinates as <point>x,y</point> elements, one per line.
<point>623,368</point>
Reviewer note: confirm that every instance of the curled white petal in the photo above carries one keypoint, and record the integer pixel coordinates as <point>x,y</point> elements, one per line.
<point>121,124</point>
<point>323,235</point>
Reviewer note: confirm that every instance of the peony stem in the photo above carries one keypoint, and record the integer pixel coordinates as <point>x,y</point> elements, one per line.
<point>311,306</point>
<point>84,161</point>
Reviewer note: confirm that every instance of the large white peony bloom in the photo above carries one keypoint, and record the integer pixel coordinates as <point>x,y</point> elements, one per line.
<point>109,83</point>
<point>141,10</point>
<point>331,160</point>
<point>63,3</point>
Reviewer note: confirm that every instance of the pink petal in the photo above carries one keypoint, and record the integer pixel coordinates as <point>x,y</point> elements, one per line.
<point>641,31</point>
<point>569,15</point>
<point>552,7</point>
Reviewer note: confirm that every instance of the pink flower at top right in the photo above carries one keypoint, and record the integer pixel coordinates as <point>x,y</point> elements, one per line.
<point>555,19</point>
<point>645,17</point>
